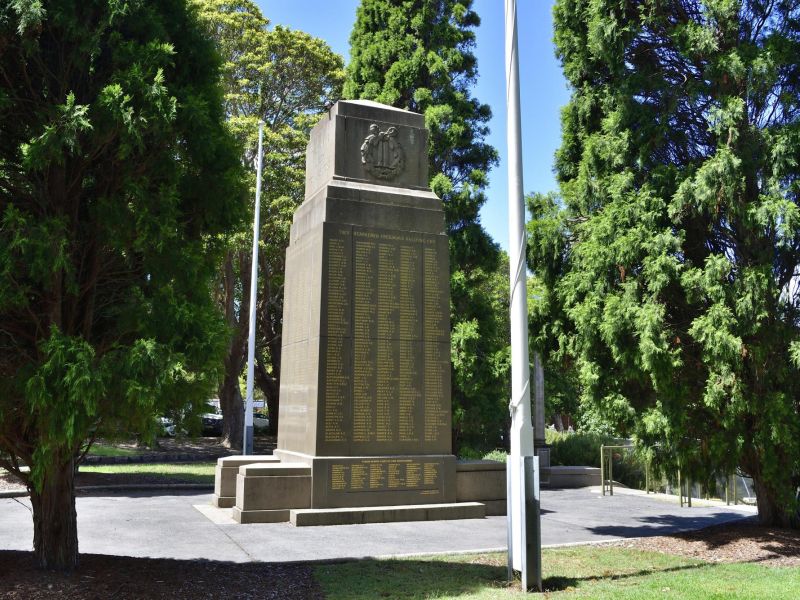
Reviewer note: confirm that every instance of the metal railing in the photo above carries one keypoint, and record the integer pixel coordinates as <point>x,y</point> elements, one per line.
<point>607,484</point>
<point>685,483</point>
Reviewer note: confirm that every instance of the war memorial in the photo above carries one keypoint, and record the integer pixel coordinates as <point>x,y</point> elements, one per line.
<point>365,411</point>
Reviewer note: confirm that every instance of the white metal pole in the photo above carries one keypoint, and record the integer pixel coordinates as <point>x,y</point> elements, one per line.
<point>247,445</point>
<point>520,406</point>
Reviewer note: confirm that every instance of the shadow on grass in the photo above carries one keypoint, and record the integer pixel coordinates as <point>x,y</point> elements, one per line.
<point>120,577</point>
<point>418,579</point>
<point>556,583</point>
<point>409,579</point>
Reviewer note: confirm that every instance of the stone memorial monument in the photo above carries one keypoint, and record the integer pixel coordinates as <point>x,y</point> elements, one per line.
<point>365,413</point>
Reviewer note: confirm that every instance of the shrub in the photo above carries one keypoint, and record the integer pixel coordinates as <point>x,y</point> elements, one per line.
<point>583,449</point>
<point>498,455</point>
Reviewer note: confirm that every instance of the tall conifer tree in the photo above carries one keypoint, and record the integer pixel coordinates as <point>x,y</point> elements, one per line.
<point>117,176</point>
<point>673,265</point>
<point>417,55</point>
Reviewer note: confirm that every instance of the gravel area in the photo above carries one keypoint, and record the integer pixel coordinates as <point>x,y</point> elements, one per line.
<point>743,541</point>
<point>123,578</point>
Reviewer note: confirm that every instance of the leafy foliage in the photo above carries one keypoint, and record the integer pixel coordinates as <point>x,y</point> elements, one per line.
<point>116,176</point>
<point>671,265</point>
<point>417,55</point>
<point>287,79</point>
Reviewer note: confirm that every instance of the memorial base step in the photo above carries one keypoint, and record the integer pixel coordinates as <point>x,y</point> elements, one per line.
<point>223,501</point>
<point>260,516</point>
<point>386,514</point>
<point>225,476</point>
<point>272,486</point>
<point>495,508</point>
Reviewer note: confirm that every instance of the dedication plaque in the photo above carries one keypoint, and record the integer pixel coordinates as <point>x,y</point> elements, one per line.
<point>365,377</point>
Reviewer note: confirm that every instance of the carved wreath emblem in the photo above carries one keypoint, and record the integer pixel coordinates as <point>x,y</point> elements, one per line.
<point>381,153</point>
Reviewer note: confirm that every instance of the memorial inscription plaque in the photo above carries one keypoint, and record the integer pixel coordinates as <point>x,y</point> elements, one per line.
<point>365,377</point>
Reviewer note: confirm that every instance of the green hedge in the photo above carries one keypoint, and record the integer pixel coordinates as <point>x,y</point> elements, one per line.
<point>577,449</point>
<point>583,449</point>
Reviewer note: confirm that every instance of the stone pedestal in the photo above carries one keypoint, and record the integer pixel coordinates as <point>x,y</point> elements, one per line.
<point>365,377</point>
<point>225,477</point>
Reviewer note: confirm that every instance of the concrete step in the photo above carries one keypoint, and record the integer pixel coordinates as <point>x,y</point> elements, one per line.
<point>260,516</point>
<point>386,514</point>
<point>225,477</point>
<point>239,460</point>
<point>274,469</point>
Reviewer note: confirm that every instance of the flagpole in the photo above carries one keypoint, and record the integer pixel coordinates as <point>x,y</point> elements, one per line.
<point>247,442</point>
<point>523,516</point>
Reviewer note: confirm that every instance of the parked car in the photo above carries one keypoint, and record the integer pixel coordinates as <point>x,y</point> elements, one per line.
<point>260,421</point>
<point>212,420</point>
<point>212,424</point>
<point>167,427</point>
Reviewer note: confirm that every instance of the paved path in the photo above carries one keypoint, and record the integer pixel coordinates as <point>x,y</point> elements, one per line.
<point>184,526</point>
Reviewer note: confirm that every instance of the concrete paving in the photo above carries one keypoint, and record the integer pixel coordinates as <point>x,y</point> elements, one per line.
<point>185,526</point>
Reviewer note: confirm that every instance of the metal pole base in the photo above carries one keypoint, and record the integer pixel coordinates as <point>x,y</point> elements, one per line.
<point>247,447</point>
<point>529,521</point>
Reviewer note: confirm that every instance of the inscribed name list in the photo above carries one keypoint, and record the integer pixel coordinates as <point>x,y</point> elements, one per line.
<point>385,322</point>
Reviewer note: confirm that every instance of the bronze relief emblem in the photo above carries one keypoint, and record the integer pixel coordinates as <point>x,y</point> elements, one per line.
<point>381,153</point>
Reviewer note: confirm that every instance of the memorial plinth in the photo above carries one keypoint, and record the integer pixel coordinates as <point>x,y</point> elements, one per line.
<point>365,377</point>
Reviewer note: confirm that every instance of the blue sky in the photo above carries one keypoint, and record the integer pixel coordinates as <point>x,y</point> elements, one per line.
<point>543,88</point>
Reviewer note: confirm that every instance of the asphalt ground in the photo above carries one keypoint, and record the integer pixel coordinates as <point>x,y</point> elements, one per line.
<point>184,525</point>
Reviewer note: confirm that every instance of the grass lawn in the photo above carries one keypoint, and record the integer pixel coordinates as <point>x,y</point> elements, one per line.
<point>578,572</point>
<point>100,449</point>
<point>202,472</point>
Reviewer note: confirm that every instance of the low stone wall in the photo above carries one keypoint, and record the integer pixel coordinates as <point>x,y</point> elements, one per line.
<point>485,481</point>
<point>482,481</point>
<point>574,477</point>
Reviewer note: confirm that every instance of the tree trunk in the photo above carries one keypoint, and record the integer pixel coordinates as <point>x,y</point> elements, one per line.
<point>559,423</point>
<point>230,397</point>
<point>273,398</point>
<point>272,409</point>
<point>230,402</point>
<point>771,511</point>
<point>55,522</point>
<point>270,388</point>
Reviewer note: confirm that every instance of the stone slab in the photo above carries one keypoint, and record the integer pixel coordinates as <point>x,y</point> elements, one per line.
<point>337,144</point>
<point>480,465</point>
<point>387,514</point>
<point>368,205</point>
<point>480,485</point>
<point>259,516</point>
<point>495,508</point>
<point>574,477</point>
<point>239,460</point>
<point>274,469</point>
<point>224,501</point>
<point>225,476</point>
<point>340,482</point>
<point>273,492</point>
